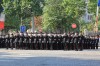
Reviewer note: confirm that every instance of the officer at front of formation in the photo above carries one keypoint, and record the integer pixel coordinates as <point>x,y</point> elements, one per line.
<point>93,42</point>
<point>27,41</point>
<point>40,41</point>
<point>46,39</point>
<point>59,41</point>
<point>7,41</point>
<point>65,41</point>
<point>80,41</point>
<point>50,41</point>
<point>96,41</point>
<point>76,46</point>
<point>55,42</point>
<point>90,42</point>
<point>3,41</point>
<point>33,41</point>
<point>11,41</point>
<point>24,46</point>
<point>30,41</point>
<point>21,39</point>
<point>16,40</point>
<point>36,40</point>
<point>71,40</point>
<point>85,42</point>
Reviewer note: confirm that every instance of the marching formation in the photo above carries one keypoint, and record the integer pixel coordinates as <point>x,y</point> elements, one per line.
<point>44,41</point>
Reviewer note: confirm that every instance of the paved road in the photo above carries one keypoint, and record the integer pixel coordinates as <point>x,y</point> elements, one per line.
<point>49,58</point>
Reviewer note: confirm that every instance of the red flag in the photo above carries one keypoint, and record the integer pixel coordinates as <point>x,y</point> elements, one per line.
<point>2,19</point>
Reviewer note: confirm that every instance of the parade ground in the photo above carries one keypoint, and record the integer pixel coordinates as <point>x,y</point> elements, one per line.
<point>49,57</point>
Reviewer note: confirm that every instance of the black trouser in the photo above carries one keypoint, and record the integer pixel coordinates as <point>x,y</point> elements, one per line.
<point>59,45</point>
<point>72,46</point>
<point>51,45</point>
<point>76,46</point>
<point>20,45</point>
<point>41,45</point>
<point>81,46</point>
<point>69,46</point>
<point>96,45</point>
<point>27,45</point>
<point>31,45</point>
<point>7,45</point>
<point>36,45</point>
<point>65,46</point>
<point>92,46</point>
<point>16,45</point>
<point>11,45</point>
<point>46,46</point>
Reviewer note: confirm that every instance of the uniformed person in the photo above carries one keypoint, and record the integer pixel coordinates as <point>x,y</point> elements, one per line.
<point>46,40</point>
<point>71,42</point>
<point>17,40</point>
<point>40,41</point>
<point>80,41</point>
<point>7,41</point>
<point>33,44</point>
<point>97,41</point>
<point>36,40</point>
<point>25,41</point>
<point>59,41</point>
<point>55,42</point>
<point>90,43</point>
<point>85,43</point>
<point>50,41</point>
<point>30,41</point>
<point>76,46</point>
<point>3,41</point>
<point>21,39</point>
<point>11,41</point>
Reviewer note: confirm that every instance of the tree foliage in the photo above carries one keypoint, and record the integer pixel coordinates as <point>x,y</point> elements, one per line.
<point>57,14</point>
<point>1,8</point>
<point>22,9</point>
<point>92,6</point>
<point>52,14</point>
<point>60,14</point>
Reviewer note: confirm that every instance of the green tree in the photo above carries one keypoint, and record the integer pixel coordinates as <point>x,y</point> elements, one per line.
<point>1,8</point>
<point>52,14</point>
<point>92,6</point>
<point>22,9</point>
<point>60,14</point>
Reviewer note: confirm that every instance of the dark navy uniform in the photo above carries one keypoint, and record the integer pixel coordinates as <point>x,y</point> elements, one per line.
<point>17,41</point>
<point>96,42</point>
<point>12,41</point>
<point>7,41</point>
<point>76,46</point>
<point>80,41</point>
